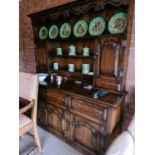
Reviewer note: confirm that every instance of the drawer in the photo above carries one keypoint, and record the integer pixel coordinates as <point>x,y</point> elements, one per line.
<point>56,97</point>
<point>89,109</point>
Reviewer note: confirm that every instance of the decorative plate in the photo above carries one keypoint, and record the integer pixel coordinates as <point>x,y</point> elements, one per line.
<point>43,32</point>
<point>65,30</point>
<point>53,32</point>
<point>118,23</point>
<point>80,28</point>
<point>97,26</point>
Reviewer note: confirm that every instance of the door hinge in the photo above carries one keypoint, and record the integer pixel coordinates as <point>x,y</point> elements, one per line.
<point>121,74</point>
<point>119,87</point>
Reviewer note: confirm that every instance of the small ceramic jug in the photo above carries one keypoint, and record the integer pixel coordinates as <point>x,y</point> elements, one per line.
<point>71,67</point>
<point>72,50</point>
<point>56,66</point>
<point>59,51</point>
<point>85,68</point>
<point>85,51</point>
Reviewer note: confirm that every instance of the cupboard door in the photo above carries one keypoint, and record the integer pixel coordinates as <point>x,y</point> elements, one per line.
<point>86,134</point>
<point>56,121</point>
<point>42,113</point>
<point>109,62</point>
<point>42,107</point>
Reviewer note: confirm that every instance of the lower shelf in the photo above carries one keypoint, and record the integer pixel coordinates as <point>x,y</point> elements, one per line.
<point>74,75</point>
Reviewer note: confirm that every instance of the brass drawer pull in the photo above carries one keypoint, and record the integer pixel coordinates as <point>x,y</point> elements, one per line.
<point>105,114</point>
<point>62,98</point>
<point>96,111</point>
<point>77,105</point>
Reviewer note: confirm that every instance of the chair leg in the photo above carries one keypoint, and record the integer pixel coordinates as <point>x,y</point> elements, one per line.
<point>37,140</point>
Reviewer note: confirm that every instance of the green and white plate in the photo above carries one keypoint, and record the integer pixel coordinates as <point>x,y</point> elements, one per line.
<point>53,32</point>
<point>65,30</point>
<point>80,28</point>
<point>118,23</point>
<point>43,32</point>
<point>97,26</point>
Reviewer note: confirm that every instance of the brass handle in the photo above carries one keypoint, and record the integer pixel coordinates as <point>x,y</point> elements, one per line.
<point>77,105</point>
<point>96,111</point>
<point>61,99</point>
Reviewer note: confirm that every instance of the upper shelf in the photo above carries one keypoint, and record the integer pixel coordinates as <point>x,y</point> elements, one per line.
<point>74,56</point>
<point>81,38</point>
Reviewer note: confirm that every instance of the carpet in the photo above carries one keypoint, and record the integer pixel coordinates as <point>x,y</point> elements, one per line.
<point>51,145</point>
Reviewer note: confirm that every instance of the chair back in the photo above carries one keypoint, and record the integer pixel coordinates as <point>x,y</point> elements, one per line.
<point>28,86</point>
<point>28,89</point>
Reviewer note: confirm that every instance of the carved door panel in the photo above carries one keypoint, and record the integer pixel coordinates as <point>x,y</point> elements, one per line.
<point>109,58</point>
<point>109,62</point>
<point>42,107</point>
<point>56,120</point>
<point>42,114</point>
<point>86,134</point>
<point>41,57</point>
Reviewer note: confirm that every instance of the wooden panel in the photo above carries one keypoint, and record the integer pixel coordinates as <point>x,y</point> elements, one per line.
<point>86,134</point>
<point>56,115</point>
<point>88,108</point>
<point>41,55</point>
<point>56,98</point>
<point>108,64</point>
<point>109,60</point>
<point>114,116</point>
<point>105,84</point>
<point>42,118</point>
<point>42,113</point>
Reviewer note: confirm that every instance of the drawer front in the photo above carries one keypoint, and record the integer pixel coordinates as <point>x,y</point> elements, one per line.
<point>88,108</point>
<point>56,98</point>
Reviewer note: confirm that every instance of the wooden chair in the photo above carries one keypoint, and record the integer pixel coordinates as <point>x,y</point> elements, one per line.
<point>28,90</point>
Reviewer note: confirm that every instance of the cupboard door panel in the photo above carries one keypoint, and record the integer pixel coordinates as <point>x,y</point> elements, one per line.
<point>86,133</point>
<point>109,62</point>
<point>56,118</point>
<point>42,113</point>
<point>109,59</point>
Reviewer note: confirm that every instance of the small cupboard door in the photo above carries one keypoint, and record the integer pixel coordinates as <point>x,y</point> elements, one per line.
<point>42,107</point>
<point>85,134</point>
<point>42,114</point>
<point>109,62</point>
<point>56,119</point>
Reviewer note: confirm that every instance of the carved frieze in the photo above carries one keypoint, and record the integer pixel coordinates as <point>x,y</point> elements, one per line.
<point>83,9</point>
